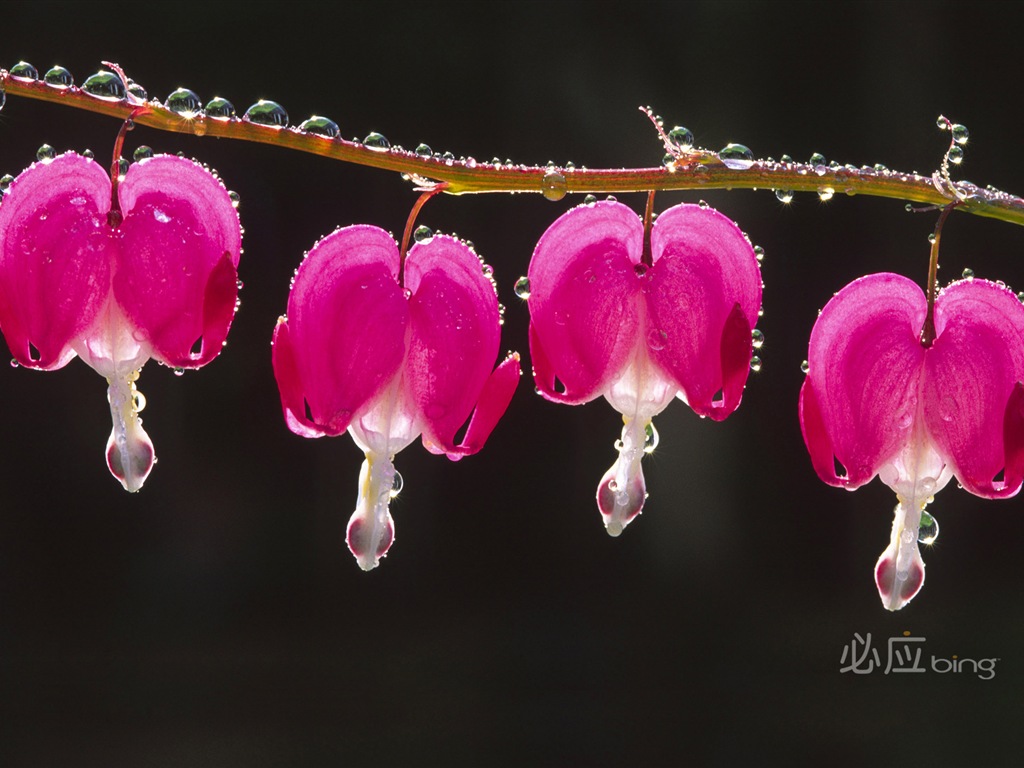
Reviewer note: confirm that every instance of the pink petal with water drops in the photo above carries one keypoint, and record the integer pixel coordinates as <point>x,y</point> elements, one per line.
<point>55,255</point>
<point>585,300</point>
<point>865,365</point>
<point>972,370</point>
<point>454,339</point>
<point>703,296</point>
<point>180,242</point>
<point>346,324</point>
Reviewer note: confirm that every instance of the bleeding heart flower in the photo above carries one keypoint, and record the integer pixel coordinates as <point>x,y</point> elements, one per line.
<point>879,401</point>
<point>118,281</point>
<point>360,352</point>
<point>639,328</point>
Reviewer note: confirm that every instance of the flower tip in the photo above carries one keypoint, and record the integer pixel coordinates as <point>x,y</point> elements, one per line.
<point>897,587</point>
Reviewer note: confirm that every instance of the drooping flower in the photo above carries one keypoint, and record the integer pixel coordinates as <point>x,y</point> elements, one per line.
<point>389,358</point>
<point>639,328</point>
<point>150,273</point>
<point>879,402</point>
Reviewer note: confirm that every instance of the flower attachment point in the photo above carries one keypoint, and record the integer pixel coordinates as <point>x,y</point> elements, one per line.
<point>640,326</point>
<point>159,282</point>
<point>879,402</point>
<point>389,361</point>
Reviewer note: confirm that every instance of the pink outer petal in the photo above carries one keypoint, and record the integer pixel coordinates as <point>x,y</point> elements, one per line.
<point>180,245</point>
<point>866,363</point>
<point>344,337</point>
<point>703,297</point>
<point>55,255</point>
<point>454,340</point>
<point>585,300</point>
<point>972,368</point>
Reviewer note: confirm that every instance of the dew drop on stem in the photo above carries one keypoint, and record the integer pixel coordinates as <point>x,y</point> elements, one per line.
<point>377,142</point>
<point>58,77</point>
<point>104,85</point>
<point>736,156</point>
<point>24,71</point>
<point>219,108</point>
<point>266,112</point>
<point>320,126</point>
<point>185,103</point>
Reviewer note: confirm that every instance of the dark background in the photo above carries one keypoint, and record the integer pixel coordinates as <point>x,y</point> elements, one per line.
<point>217,619</point>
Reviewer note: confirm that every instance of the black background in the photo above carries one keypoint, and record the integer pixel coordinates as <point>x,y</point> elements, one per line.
<point>217,619</point>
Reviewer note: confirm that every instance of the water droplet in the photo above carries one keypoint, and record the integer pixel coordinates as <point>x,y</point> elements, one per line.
<point>755,363</point>
<point>805,366</point>
<point>424,150</point>
<point>955,155</point>
<point>179,371</point>
<point>928,532</point>
<point>137,90</point>
<point>785,159</point>
<point>24,71</point>
<point>122,167</point>
<point>397,484</point>
<point>681,138</point>
<point>589,199</point>
<point>88,154</point>
<point>669,161</point>
<point>619,446</point>
<point>931,238</point>
<point>759,253</point>
<point>960,133</point>
<point>784,195</point>
<point>757,338</point>
<point>185,103</point>
<point>142,152</point>
<point>817,159</point>
<point>967,274</point>
<point>58,77</point>
<point>423,234</point>
<point>553,185</point>
<point>703,204</point>
<point>522,288</point>
<point>5,182</point>
<point>45,153</point>
<point>825,194</point>
<point>321,126</point>
<point>14,362</point>
<point>736,156</point>
<point>651,438</point>
<point>942,122</point>
<point>235,198</point>
<point>487,270</point>
<point>265,112</point>
<point>104,85</point>
<point>219,108</point>
<point>656,338</point>
<point>376,142</point>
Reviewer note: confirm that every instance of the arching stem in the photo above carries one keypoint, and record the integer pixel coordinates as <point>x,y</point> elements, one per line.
<point>411,222</point>
<point>928,333</point>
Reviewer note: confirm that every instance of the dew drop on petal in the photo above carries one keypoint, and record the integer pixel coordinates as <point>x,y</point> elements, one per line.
<point>736,156</point>
<point>266,112</point>
<point>928,531</point>
<point>5,182</point>
<point>321,126</point>
<point>423,234</point>
<point>104,85</point>
<point>142,153</point>
<point>755,364</point>
<point>967,274</point>
<point>651,438</point>
<point>553,185</point>
<point>397,484</point>
<point>656,339</point>
<point>59,77</point>
<point>219,108</point>
<point>24,71</point>
<point>589,199</point>
<point>757,338</point>
<point>805,366</point>
<point>522,288</point>
<point>377,142</point>
<point>45,153</point>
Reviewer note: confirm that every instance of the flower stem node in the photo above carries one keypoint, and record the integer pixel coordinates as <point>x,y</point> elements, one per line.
<point>640,315</point>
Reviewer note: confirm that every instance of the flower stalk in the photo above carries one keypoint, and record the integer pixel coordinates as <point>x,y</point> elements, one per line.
<point>706,171</point>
